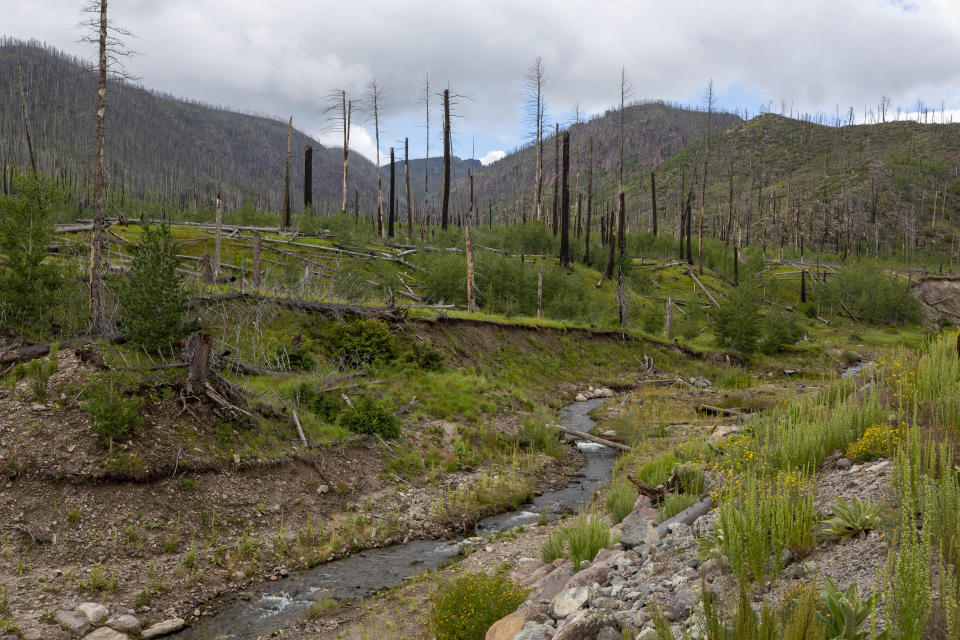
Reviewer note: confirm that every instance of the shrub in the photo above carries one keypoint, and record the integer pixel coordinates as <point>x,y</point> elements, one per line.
<point>737,321</point>
<point>874,296</point>
<point>464,608</point>
<point>536,435</point>
<point>555,546</point>
<point>324,405</point>
<point>652,319</point>
<point>362,342</point>
<point>619,500</point>
<point>879,440</point>
<point>370,416</point>
<point>112,413</point>
<point>153,300</point>
<point>779,329</point>
<point>658,470</point>
<point>40,372</point>
<point>843,613</point>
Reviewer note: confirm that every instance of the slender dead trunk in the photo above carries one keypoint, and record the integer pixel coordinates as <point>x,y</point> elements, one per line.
<point>216,242</point>
<point>540,291</point>
<point>556,176</point>
<point>621,299</point>
<point>703,186</point>
<point>468,248</point>
<point>608,274</point>
<point>445,210</point>
<point>425,214</point>
<point>98,319</point>
<point>622,224</point>
<point>307,179</point>
<point>26,119</point>
<point>257,245</point>
<point>653,204</point>
<point>689,216</point>
<point>586,244</point>
<point>347,110</point>
<point>565,204</point>
<point>406,173</point>
<point>392,193</point>
<point>286,181</point>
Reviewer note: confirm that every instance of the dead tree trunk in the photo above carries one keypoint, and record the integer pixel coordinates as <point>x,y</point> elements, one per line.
<point>216,241</point>
<point>608,274</point>
<point>653,204</point>
<point>556,176</point>
<point>406,173</point>
<point>621,299</point>
<point>347,108</point>
<point>586,244</point>
<point>98,315</point>
<point>307,178</point>
<point>622,224</point>
<point>286,181</point>
<point>198,371</point>
<point>393,199</point>
<point>257,245</point>
<point>26,118</point>
<point>540,291</point>
<point>469,249</point>
<point>565,205</point>
<point>668,317</point>
<point>445,210</point>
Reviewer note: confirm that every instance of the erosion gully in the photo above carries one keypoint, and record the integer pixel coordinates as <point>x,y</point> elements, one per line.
<point>271,605</point>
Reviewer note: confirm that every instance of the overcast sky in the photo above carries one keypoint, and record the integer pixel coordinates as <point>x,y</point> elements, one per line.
<point>283,57</point>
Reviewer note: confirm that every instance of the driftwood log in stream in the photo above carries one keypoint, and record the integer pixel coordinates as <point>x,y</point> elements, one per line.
<point>592,438</point>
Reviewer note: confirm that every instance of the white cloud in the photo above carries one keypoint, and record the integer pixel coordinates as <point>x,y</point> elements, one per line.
<point>492,157</point>
<point>361,141</point>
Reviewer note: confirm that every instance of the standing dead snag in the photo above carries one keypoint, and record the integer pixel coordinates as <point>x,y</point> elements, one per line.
<point>621,298</point>
<point>98,315</point>
<point>534,81</point>
<point>445,210</point>
<point>307,178</point>
<point>703,186</point>
<point>586,244</point>
<point>257,245</point>
<point>406,172</point>
<point>469,249</point>
<point>347,111</point>
<point>565,205</point>
<point>26,121</point>
<point>285,224</point>
<point>216,242</point>
<point>653,204</point>
<point>198,371</point>
<point>393,199</point>
<point>556,175</point>
<point>374,93</point>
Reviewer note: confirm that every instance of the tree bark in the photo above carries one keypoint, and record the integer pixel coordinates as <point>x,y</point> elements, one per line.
<point>307,178</point>
<point>406,173</point>
<point>469,249</point>
<point>286,181</point>
<point>257,245</point>
<point>653,204</point>
<point>347,110</point>
<point>216,241</point>
<point>586,244</point>
<point>26,123</point>
<point>556,176</point>
<point>565,204</point>
<point>540,291</point>
<point>622,224</point>
<point>393,199</point>
<point>199,368</point>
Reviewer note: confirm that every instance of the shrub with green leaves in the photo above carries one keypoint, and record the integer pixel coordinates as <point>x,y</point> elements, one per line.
<point>40,372</point>
<point>737,323</point>
<point>779,330</point>
<point>874,296</point>
<point>153,300</point>
<point>464,608</point>
<point>843,613</point>
<point>850,519</point>
<point>536,435</point>
<point>113,414</point>
<point>690,323</point>
<point>362,342</point>
<point>371,417</point>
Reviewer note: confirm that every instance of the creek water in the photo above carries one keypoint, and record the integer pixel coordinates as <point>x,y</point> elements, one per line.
<point>271,605</point>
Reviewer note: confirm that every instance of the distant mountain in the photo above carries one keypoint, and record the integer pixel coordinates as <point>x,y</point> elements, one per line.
<point>653,132</point>
<point>157,145</point>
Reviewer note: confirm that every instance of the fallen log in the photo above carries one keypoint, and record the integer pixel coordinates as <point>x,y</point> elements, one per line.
<point>326,308</point>
<point>34,351</point>
<point>592,438</point>
<point>687,516</point>
<point>707,408</point>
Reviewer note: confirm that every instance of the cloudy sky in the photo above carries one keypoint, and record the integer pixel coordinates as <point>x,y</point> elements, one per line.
<point>284,57</point>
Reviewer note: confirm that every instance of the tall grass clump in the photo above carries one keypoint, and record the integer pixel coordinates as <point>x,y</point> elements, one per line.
<point>619,500</point>
<point>464,608</point>
<point>580,540</point>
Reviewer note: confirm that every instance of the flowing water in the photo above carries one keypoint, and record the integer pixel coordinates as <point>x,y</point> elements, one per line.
<point>270,605</point>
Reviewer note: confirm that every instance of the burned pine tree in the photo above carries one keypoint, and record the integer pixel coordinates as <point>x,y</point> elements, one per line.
<point>406,175</point>
<point>445,207</point>
<point>307,178</point>
<point>285,224</point>
<point>393,199</point>
<point>586,243</point>
<point>653,204</point>
<point>565,204</point>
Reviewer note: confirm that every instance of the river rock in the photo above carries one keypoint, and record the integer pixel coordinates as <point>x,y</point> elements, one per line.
<point>581,398</point>
<point>534,578</point>
<point>46,633</point>
<point>163,628</point>
<point>125,623</point>
<point>71,622</point>
<point>95,613</point>
<point>681,604</point>
<point>568,601</point>
<point>106,633</point>
<point>552,584</point>
<point>507,627</point>
<point>642,531</point>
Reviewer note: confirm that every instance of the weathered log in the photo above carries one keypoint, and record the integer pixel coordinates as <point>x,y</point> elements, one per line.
<point>34,351</point>
<point>592,438</point>
<point>707,408</point>
<point>687,516</point>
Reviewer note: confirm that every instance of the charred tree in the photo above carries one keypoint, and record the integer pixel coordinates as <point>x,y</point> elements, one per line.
<point>586,243</point>
<point>653,204</point>
<point>565,205</point>
<point>286,181</point>
<point>556,176</point>
<point>445,207</point>
<point>26,117</point>
<point>393,199</point>
<point>307,178</point>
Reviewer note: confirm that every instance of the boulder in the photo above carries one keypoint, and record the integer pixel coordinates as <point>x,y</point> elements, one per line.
<point>507,627</point>
<point>72,623</point>
<point>163,628</point>
<point>534,631</point>
<point>598,573</point>
<point>94,612</point>
<point>106,633</point>
<point>681,604</point>
<point>534,578</point>
<point>46,633</point>
<point>585,625</point>
<point>125,623</point>
<point>568,601</point>
<point>551,585</point>
<point>641,531</point>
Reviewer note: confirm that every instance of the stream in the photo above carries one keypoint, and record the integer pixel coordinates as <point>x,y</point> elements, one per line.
<point>271,605</point>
